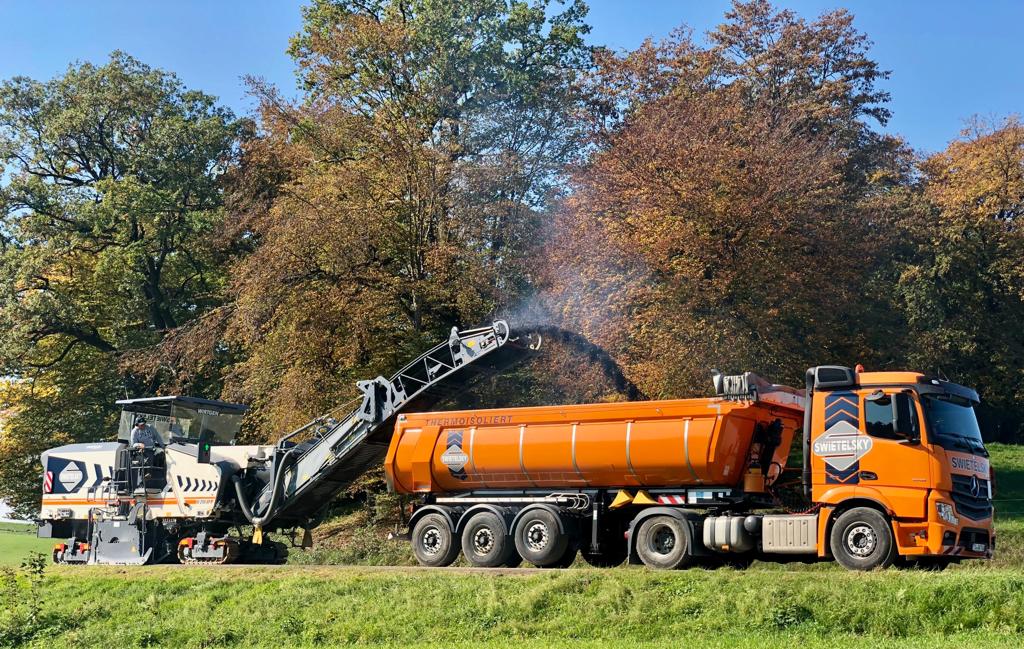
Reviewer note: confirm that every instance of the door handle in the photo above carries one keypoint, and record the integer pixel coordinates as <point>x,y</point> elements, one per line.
<point>868,475</point>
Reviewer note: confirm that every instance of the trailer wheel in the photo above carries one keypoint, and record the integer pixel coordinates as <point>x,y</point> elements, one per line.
<point>862,539</point>
<point>664,543</point>
<point>539,539</point>
<point>433,542</point>
<point>484,542</point>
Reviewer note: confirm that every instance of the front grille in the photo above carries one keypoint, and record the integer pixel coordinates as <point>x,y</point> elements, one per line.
<point>976,508</point>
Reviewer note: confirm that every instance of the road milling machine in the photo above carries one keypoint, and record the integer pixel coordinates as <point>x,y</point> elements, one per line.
<point>110,503</point>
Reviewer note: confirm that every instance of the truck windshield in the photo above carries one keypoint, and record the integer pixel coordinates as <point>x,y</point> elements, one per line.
<point>952,423</point>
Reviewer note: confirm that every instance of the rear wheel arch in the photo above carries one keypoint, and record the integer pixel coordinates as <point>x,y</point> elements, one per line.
<point>433,509</point>
<point>550,508</point>
<point>500,512</point>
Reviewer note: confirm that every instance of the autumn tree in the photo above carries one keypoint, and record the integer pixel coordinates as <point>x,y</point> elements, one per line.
<point>110,205</point>
<point>410,180</point>
<point>725,218</point>
<point>963,293</point>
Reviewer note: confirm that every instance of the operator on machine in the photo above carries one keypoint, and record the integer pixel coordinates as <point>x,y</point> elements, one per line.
<point>144,436</point>
<point>147,445</point>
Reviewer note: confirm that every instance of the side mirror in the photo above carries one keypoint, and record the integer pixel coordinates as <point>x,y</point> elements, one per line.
<point>904,418</point>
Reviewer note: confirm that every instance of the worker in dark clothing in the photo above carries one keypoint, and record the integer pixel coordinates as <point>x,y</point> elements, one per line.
<point>147,443</point>
<point>144,435</point>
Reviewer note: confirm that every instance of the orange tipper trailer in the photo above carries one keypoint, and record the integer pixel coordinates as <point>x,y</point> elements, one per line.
<point>893,469</point>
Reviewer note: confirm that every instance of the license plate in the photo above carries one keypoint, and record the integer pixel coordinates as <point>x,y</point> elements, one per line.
<point>978,547</point>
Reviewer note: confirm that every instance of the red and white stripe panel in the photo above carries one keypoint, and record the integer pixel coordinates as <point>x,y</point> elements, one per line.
<point>672,500</point>
<point>48,482</point>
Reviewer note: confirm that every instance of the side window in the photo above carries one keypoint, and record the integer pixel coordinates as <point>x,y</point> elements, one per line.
<point>878,418</point>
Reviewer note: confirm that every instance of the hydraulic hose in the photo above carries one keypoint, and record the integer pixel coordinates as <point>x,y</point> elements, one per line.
<point>268,513</point>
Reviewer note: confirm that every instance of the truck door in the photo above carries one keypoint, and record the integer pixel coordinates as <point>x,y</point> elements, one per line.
<point>897,465</point>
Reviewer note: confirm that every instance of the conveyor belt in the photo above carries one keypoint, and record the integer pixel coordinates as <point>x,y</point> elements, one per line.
<point>317,469</point>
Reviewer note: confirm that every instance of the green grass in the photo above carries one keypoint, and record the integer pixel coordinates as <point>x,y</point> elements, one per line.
<point>307,606</point>
<point>18,540</point>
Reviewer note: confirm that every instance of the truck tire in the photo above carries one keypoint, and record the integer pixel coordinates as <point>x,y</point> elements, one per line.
<point>862,539</point>
<point>539,538</point>
<point>433,542</point>
<point>664,543</point>
<point>484,542</point>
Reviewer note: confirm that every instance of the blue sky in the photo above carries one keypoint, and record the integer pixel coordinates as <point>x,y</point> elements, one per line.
<point>949,59</point>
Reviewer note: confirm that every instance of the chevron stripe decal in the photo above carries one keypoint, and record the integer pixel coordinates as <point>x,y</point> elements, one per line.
<point>842,408</point>
<point>849,476</point>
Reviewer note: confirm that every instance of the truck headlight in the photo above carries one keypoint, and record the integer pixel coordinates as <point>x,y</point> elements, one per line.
<point>946,513</point>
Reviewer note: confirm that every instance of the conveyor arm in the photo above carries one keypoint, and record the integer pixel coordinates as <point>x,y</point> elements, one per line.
<point>304,477</point>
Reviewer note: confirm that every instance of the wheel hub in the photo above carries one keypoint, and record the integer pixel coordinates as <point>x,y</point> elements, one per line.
<point>483,541</point>
<point>432,540</point>
<point>537,536</point>
<point>663,540</point>
<point>861,540</point>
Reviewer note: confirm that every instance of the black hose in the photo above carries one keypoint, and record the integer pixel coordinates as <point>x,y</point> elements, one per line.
<point>240,497</point>
<point>275,489</point>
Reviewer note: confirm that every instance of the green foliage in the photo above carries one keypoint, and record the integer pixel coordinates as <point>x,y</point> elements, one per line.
<point>22,613</point>
<point>963,292</point>
<point>110,206</point>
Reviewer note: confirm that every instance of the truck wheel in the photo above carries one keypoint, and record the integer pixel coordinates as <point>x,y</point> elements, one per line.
<point>484,542</point>
<point>664,543</point>
<point>433,542</point>
<point>539,539</point>
<point>861,539</point>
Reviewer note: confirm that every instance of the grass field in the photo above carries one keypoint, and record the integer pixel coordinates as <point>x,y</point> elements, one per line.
<point>307,606</point>
<point>18,540</point>
<point>980,604</point>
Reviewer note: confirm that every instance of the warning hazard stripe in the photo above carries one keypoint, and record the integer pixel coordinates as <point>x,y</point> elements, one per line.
<point>48,482</point>
<point>672,500</point>
<point>97,501</point>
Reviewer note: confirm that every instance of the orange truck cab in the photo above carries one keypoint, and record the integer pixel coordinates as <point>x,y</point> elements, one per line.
<point>906,445</point>
<point>893,469</point>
